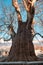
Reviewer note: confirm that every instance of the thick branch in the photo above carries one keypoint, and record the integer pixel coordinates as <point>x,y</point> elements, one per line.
<point>37,34</point>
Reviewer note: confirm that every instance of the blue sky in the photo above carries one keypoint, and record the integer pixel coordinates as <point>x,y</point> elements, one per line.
<point>9,9</point>
<point>8,3</point>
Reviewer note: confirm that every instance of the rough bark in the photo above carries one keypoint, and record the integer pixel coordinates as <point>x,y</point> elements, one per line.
<point>22,47</point>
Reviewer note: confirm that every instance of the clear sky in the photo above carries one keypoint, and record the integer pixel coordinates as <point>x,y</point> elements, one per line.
<point>8,5</point>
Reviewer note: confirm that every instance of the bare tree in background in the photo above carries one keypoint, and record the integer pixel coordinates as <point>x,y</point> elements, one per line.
<point>8,20</point>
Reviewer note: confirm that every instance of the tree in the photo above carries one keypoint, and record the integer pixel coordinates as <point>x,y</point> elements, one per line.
<point>22,47</point>
<point>7,21</point>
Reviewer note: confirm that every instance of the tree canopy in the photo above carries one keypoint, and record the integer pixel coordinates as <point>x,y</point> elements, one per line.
<point>8,16</point>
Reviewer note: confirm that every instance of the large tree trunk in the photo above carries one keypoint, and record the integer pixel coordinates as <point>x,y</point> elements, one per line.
<point>22,47</point>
